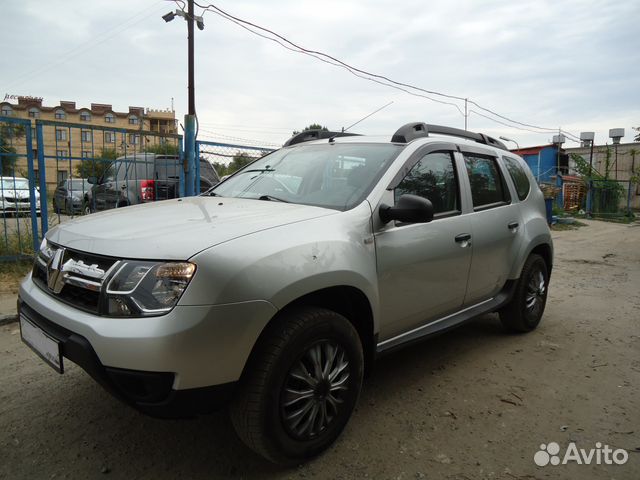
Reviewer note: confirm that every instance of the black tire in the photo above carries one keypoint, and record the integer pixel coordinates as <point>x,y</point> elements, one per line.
<point>259,411</point>
<point>525,310</point>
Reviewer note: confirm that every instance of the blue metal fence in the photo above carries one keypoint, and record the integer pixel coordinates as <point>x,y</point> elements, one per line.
<point>227,156</point>
<point>18,192</point>
<point>70,169</point>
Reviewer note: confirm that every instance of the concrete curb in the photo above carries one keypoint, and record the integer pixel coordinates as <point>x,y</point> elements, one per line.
<point>6,319</point>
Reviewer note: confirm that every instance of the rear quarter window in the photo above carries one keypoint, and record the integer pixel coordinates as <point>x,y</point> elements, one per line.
<point>519,177</point>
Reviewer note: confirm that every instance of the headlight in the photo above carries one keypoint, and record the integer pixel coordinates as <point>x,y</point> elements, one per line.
<point>147,288</point>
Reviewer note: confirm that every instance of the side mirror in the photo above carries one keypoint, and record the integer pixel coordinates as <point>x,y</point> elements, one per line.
<point>408,209</point>
<point>92,180</point>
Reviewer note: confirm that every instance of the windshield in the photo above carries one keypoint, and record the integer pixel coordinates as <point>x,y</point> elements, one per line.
<point>78,185</point>
<point>337,176</point>
<point>17,183</point>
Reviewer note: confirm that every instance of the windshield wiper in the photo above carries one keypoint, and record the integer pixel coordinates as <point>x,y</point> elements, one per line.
<point>261,170</point>
<point>271,197</point>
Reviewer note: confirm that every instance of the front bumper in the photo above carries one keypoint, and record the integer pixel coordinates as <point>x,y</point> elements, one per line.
<point>180,364</point>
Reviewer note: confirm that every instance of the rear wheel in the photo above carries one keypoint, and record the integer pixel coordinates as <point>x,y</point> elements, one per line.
<point>300,385</point>
<point>525,310</point>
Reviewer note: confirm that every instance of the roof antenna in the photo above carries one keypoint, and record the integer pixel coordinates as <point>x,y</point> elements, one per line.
<point>364,118</point>
<point>331,140</point>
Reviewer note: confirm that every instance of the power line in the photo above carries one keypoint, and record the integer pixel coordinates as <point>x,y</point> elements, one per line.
<point>370,76</point>
<point>74,52</point>
<point>259,143</point>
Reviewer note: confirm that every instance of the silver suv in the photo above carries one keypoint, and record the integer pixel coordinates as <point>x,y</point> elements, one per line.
<point>275,291</point>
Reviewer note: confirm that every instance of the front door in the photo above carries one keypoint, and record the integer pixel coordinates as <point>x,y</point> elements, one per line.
<point>423,267</point>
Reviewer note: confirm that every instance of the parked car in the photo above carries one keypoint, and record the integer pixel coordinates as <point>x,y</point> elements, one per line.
<point>15,197</point>
<point>274,292</point>
<point>142,178</point>
<point>70,195</point>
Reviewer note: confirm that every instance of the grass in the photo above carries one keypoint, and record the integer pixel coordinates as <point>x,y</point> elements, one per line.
<point>12,244</point>
<point>11,273</point>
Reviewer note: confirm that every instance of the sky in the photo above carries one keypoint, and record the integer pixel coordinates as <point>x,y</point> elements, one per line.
<point>570,64</point>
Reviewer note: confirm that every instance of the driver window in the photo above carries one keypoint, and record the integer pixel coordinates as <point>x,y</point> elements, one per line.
<point>434,178</point>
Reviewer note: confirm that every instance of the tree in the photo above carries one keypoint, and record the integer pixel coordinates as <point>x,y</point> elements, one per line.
<point>313,126</point>
<point>98,166</point>
<point>8,154</point>
<point>163,149</point>
<point>240,159</point>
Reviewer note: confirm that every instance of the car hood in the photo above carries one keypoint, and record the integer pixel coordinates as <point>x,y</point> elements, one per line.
<point>19,193</point>
<point>176,229</point>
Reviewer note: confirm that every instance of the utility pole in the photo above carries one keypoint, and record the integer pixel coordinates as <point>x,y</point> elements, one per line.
<point>190,165</point>
<point>466,113</point>
<point>190,118</point>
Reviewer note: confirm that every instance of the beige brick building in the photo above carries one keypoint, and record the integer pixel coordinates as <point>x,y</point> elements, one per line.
<point>85,132</point>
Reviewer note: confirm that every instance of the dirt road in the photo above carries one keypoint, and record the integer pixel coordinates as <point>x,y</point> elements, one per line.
<point>475,403</point>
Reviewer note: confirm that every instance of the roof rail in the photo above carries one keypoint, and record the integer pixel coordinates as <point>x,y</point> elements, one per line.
<point>309,135</point>
<point>414,130</point>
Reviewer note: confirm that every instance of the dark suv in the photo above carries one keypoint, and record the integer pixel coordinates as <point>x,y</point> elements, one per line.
<point>141,178</point>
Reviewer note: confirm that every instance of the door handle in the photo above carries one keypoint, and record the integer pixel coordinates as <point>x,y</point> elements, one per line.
<point>463,237</point>
<point>513,225</point>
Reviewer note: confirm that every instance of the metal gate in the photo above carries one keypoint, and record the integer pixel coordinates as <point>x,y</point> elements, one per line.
<point>57,170</point>
<point>19,196</point>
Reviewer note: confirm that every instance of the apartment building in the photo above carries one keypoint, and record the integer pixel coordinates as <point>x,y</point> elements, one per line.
<point>84,132</point>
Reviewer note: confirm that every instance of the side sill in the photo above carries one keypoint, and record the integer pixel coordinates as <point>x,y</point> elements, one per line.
<point>443,324</point>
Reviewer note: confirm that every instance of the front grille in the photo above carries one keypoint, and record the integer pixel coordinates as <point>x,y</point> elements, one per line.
<point>76,279</point>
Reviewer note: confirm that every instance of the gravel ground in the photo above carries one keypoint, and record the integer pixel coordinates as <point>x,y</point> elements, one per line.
<point>474,403</point>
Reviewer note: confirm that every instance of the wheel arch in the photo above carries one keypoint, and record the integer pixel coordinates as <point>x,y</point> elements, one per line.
<point>350,302</point>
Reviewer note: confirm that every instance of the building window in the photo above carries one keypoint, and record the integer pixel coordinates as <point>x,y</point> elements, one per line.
<point>33,133</point>
<point>6,111</point>
<point>133,120</point>
<point>62,176</point>
<point>85,116</point>
<point>61,153</point>
<point>134,139</point>
<point>60,114</point>
<point>86,136</point>
<point>36,175</point>
<point>34,112</point>
<point>86,154</point>
<point>110,118</point>
<point>109,137</point>
<point>61,134</point>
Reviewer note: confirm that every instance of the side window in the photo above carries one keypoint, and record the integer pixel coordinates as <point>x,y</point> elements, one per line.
<point>519,177</point>
<point>487,185</point>
<point>434,178</point>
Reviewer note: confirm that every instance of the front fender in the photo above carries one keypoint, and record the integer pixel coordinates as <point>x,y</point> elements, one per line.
<point>285,263</point>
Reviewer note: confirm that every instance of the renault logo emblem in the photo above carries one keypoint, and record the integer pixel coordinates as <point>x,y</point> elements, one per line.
<point>55,277</point>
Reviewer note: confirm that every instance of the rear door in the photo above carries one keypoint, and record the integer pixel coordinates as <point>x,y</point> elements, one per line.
<point>495,225</point>
<point>423,267</point>
<point>167,177</point>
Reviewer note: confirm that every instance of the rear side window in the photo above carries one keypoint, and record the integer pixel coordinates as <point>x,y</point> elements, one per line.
<point>519,177</point>
<point>434,178</point>
<point>488,188</point>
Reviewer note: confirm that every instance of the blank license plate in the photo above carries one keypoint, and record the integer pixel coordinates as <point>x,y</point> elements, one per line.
<point>48,348</point>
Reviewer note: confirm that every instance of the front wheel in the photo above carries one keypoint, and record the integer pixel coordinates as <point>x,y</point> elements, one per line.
<point>525,310</point>
<point>300,385</point>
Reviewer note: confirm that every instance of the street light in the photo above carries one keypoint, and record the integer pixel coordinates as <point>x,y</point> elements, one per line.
<point>615,134</point>
<point>587,139</point>
<point>509,140</point>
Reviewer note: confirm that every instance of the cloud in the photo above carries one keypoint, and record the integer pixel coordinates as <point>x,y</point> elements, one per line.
<point>573,64</point>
